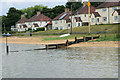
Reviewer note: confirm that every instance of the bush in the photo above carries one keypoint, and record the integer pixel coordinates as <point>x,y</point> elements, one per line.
<point>40,29</point>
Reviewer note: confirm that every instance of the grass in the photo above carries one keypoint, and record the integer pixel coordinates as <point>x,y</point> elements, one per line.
<point>81,29</point>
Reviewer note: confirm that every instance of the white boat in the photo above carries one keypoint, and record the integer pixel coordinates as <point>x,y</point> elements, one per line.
<point>64,35</point>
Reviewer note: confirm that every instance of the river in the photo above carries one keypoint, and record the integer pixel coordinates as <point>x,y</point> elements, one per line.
<point>84,62</point>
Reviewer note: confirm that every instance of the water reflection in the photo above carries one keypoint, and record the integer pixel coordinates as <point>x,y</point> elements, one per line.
<point>68,63</point>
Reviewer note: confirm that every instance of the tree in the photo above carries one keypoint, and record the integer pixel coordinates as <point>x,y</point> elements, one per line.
<point>31,11</point>
<point>12,17</point>
<point>75,5</point>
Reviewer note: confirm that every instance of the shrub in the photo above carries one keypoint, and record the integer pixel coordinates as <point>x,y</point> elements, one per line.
<point>40,29</point>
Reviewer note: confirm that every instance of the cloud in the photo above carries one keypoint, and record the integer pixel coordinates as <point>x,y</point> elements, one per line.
<point>33,0</point>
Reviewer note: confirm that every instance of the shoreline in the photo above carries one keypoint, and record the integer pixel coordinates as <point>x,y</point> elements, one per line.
<point>38,40</point>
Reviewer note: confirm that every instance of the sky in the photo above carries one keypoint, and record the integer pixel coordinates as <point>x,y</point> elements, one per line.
<point>21,4</point>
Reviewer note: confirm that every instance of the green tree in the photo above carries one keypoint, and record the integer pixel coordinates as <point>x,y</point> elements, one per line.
<point>31,11</point>
<point>12,17</point>
<point>75,5</point>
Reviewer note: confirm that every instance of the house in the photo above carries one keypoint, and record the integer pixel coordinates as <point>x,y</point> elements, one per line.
<point>81,14</point>
<point>95,18</point>
<point>106,10</point>
<point>13,28</point>
<point>39,20</point>
<point>62,21</point>
<point>116,16</point>
<point>21,24</point>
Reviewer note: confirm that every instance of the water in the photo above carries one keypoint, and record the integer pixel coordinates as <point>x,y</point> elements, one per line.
<point>84,62</point>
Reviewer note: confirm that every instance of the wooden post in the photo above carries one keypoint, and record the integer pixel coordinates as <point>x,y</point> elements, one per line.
<point>91,37</point>
<point>46,47</point>
<point>84,38</point>
<point>56,46</point>
<point>75,39</point>
<point>67,43</point>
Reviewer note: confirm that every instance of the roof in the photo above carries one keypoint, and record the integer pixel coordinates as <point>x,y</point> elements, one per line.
<point>22,20</point>
<point>84,10</point>
<point>118,11</point>
<point>108,4</point>
<point>40,17</point>
<point>78,19</point>
<point>49,23</point>
<point>66,17</point>
<point>96,14</point>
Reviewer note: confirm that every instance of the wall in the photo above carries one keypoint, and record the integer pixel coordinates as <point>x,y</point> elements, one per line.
<point>64,25</point>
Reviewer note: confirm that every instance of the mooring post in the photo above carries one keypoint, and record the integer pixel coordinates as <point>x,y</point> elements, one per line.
<point>67,43</point>
<point>91,37</point>
<point>46,47</point>
<point>75,39</point>
<point>84,38</point>
<point>56,46</point>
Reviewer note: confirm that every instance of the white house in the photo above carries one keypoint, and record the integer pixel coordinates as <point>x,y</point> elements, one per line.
<point>62,21</point>
<point>106,10</point>
<point>39,20</point>
<point>82,13</point>
<point>21,24</point>
<point>116,16</point>
<point>95,18</point>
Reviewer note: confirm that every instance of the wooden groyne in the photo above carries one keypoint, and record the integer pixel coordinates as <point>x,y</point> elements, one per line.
<point>68,43</point>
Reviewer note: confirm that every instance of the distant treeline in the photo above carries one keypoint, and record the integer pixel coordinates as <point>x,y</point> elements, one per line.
<point>14,14</point>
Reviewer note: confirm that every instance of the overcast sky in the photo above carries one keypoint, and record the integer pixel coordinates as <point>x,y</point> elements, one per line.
<point>21,4</point>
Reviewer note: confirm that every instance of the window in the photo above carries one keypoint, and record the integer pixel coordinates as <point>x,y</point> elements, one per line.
<point>60,21</point>
<point>68,25</point>
<point>85,15</point>
<point>92,19</point>
<point>61,28</point>
<point>56,22</point>
<point>78,24</point>
<point>113,8</point>
<point>104,9</point>
<point>45,21</point>
<point>28,23</point>
<point>74,24</point>
<point>56,28</point>
<point>115,18</point>
<point>104,18</point>
<point>98,20</point>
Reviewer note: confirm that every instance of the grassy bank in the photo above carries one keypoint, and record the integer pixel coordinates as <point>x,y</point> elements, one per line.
<point>107,32</point>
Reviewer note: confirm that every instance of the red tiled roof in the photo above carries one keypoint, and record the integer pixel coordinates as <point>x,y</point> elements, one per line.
<point>84,10</point>
<point>78,19</point>
<point>40,17</point>
<point>66,17</point>
<point>22,20</point>
<point>108,4</point>
<point>96,14</point>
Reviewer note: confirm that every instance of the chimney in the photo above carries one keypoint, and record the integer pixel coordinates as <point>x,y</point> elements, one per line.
<point>22,16</point>
<point>38,13</point>
<point>85,3</point>
<point>66,10</point>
